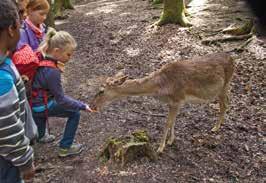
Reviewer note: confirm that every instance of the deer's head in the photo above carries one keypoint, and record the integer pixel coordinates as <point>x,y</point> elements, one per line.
<point>108,91</point>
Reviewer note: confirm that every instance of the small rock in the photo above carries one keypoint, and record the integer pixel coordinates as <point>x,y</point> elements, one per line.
<point>246,147</point>
<point>69,167</point>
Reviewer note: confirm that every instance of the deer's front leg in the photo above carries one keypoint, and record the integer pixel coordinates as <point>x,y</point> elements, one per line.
<point>173,110</point>
<point>223,101</point>
<point>172,135</point>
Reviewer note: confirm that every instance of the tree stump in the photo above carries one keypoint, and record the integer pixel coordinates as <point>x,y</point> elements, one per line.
<point>122,150</point>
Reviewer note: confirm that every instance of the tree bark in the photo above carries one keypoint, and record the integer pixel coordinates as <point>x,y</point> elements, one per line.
<point>173,12</point>
<point>50,18</point>
<point>58,4</point>
<point>157,1</point>
<point>68,4</point>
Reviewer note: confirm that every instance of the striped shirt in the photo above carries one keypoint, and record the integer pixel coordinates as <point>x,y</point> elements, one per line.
<point>14,145</point>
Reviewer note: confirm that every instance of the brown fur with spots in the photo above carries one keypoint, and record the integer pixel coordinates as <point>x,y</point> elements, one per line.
<point>199,79</point>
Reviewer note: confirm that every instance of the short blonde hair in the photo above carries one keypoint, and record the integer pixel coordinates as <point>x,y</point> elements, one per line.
<point>60,39</point>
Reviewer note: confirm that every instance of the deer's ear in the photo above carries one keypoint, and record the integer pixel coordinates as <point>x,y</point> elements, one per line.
<point>120,80</point>
<point>109,81</point>
<point>120,74</point>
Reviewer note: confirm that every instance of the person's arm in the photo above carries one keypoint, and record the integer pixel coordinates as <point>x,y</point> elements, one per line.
<point>14,145</point>
<point>23,39</point>
<point>56,89</point>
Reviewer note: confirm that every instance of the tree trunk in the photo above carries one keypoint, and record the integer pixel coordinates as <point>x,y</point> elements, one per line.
<point>68,5</point>
<point>58,4</point>
<point>50,18</point>
<point>173,12</point>
<point>157,1</point>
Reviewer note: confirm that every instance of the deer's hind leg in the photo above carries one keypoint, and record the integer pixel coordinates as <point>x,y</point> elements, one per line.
<point>173,110</point>
<point>223,102</point>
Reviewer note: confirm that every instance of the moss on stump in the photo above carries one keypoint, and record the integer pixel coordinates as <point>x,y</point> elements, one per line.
<point>122,150</point>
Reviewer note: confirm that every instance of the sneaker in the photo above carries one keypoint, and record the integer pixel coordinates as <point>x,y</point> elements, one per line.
<point>73,150</point>
<point>47,138</point>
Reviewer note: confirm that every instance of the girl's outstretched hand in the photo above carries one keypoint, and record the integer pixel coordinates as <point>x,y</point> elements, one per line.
<point>88,109</point>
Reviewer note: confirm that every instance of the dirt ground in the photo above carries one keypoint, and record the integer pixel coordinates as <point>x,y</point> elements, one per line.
<point>116,34</point>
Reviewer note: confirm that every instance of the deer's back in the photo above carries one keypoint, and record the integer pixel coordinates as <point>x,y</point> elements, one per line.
<point>199,77</point>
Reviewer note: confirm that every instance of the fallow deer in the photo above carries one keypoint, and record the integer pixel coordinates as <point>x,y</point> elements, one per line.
<point>193,80</point>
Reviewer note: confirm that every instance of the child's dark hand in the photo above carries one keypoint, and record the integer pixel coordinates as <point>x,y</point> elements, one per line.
<point>25,78</point>
<point>29,174</point>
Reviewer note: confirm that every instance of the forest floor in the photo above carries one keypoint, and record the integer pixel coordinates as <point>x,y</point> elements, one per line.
<point>117,34</point>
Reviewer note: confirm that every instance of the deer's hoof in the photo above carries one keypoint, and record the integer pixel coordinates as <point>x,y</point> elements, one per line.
<point>160,150</point>
<point>170,141</point>
<point>215,128</point>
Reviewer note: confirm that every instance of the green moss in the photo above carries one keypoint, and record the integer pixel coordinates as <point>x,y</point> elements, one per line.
<point>157,2</point>
<point>124,149</point>
<point>173,12</point>
<point>115,141</point>
<point>68,5</point>
<point>244,29</point>
<point>141,136</point>
<point>157,6</point>
<point>57,8</point>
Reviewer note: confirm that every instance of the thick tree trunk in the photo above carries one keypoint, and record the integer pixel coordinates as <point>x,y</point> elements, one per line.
<point>58,4</point>
<point>50,18</point>
<point>157,1</point>
<point>173,12</point>
<point>68,5</point>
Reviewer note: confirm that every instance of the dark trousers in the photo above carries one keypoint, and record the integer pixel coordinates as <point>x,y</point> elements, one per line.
<point>58,111</point>
<point>8,172</point>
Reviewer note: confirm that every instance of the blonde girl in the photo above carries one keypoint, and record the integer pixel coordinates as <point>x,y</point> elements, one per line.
<point>59,47</point>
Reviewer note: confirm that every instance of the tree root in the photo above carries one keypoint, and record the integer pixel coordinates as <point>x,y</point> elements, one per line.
<point>239,33</point>
<point>182,20</point>
<point>241,48</point>
<point>225,39</point>
<point>245,29</point>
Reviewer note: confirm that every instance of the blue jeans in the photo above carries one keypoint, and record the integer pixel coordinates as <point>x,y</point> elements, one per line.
<point>58,111</point>
<point>8,172</point>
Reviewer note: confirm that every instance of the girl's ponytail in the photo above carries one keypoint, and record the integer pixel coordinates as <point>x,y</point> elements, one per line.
<point>47,39</point>
<point>50,34</point>
<point>57,39</point>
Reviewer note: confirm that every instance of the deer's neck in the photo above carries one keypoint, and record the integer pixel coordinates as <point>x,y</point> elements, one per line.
<point>142,86</point>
